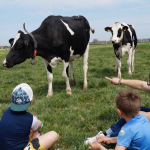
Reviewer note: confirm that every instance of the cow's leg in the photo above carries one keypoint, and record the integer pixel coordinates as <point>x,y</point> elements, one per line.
<point>117,58</point>
<point>129,61</point>
<point>49,77</point>
<point>66,76</point>
<point>71,65</point>
<point>85,66</point>
<point>116,67</point>
<point>118,64</point>
<point>132,59</point>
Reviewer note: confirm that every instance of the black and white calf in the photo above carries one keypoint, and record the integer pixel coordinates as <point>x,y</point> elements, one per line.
<point>58,39</point>
<point>124,41</point>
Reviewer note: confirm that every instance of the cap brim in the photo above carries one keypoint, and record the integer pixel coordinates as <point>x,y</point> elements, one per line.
<point>16,107</point>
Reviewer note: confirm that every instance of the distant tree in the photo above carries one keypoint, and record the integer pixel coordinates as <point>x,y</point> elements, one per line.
<point>138,40</point>
<point>95,41</point>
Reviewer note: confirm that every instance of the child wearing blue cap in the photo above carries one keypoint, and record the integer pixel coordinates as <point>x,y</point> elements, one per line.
<point>19,129</point>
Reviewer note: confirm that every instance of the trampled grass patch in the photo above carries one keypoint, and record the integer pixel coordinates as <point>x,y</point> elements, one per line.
<point>85,113</point>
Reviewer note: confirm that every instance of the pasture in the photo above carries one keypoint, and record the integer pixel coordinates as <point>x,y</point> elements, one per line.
<point>85,113</point>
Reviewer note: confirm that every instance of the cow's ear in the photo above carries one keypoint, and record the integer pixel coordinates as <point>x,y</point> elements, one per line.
<point>11,41</point>
<point>125,28</point>
<point>20,32</point>
<point>108,29</point>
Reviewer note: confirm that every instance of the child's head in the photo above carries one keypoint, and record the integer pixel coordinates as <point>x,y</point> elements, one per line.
<point>129,102</point>
<point>21,97</point>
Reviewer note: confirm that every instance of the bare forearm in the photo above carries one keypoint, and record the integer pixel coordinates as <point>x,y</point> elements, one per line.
<point>107,140</point>
<point>113,140</point>
<point>137,84</point>
<point>40,125</point>
<point>102,147</point>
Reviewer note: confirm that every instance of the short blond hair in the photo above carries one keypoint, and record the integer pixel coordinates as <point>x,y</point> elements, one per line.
<point>129,102</point>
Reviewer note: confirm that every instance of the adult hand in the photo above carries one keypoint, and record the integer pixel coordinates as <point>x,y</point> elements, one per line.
<point>94,146</point>
<point>114,81</point>
<point>104,140</point>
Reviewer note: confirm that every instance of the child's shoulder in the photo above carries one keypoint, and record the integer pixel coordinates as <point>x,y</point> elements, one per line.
<point>134,123</point>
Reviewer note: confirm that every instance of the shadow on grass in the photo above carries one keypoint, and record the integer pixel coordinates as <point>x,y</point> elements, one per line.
<point>58,86</point>
<point>107,72</point>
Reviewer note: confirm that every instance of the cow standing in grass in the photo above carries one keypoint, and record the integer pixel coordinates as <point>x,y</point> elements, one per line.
<point>124,41</point>
<point>58,39</point>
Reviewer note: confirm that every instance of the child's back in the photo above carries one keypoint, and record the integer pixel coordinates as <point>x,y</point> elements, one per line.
<point>135,134</point>
<point>15,129</point>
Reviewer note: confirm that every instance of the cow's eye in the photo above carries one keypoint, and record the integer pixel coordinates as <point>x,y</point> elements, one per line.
<point>119,30</point>
<point>119,33</point>
<point>19,46</point>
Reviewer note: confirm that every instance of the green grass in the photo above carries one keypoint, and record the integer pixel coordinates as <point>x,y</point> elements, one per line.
<point>84,113</point>
<point>3,52</point>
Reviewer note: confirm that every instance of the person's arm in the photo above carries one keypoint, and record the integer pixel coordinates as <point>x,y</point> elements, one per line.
<point>96,146</point>
<point>40,125</point>
<point>146,114</point>
<point>36,124</point>
<point>107,140</point>
<point>137,84</point>
<point>118,147</point>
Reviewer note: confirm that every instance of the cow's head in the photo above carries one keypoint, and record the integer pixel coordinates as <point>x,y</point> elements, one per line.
<point>21,49</point>
<point>117,31</point>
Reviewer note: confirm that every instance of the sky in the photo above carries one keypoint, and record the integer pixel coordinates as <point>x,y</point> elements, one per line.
<point>99,13</point>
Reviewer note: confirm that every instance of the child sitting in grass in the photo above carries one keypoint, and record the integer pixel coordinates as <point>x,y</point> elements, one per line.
<point>19,129</point>
<point>135,134</point>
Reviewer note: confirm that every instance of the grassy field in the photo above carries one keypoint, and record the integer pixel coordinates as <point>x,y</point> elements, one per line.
<point>84,113</point>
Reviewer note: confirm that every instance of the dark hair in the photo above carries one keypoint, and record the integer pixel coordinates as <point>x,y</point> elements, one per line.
<point>129,102</point>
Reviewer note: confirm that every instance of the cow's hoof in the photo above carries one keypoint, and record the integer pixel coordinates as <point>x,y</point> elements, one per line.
<point>49,95</point>
<point>119,76</point>
<point>132,70</point>
<point>69,93</point>
<point>114,71</point>
<point>84,87</point>
<point>129,73</point>
<point>73,83</point>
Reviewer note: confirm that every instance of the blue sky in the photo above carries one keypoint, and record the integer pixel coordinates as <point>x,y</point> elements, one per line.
<point>99,13</point>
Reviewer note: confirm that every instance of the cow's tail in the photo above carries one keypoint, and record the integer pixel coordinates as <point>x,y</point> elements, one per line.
<point>92,30</point>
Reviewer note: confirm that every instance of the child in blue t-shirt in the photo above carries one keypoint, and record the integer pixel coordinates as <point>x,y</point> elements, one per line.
<point>135,134</point>
<point>19,129</point>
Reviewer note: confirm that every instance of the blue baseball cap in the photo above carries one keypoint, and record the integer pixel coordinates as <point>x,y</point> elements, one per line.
<point>21,97</point>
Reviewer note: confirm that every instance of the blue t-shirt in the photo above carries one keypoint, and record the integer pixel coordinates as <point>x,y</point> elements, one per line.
<point>135,134</point>
<point>15,129</point>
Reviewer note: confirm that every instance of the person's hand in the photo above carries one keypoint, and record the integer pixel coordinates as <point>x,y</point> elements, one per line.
<point>103,140</point>
<point>94,146</point>
<point>114,81</point>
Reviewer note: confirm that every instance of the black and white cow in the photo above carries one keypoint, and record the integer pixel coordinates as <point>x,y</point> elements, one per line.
<point>124,41</point>
<point>58,39</point>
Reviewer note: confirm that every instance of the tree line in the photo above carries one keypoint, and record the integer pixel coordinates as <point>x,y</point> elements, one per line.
<point>96,41</point>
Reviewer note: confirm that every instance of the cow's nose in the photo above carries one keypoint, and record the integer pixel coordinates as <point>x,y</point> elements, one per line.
<point>113,41</point>
<point>5,65</point>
